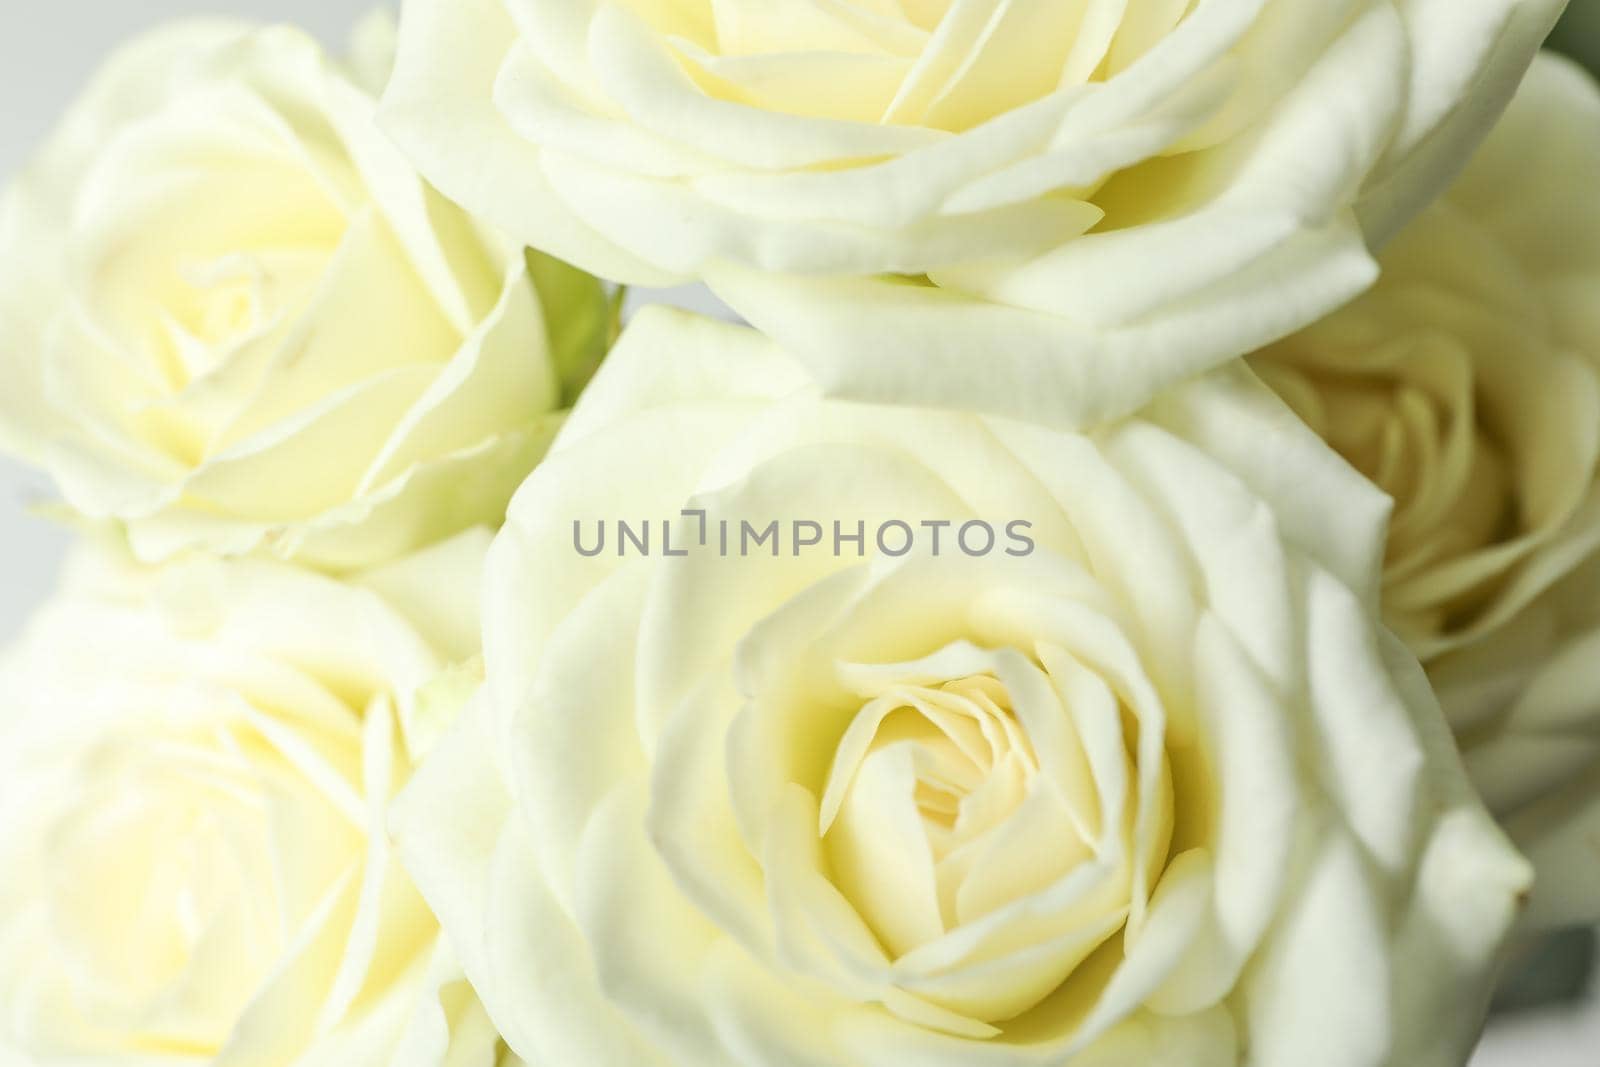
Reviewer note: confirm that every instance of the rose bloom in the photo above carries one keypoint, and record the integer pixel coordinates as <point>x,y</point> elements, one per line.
<point>1159,791</point>
<point>195,766</point>
<point>1126,192</point>
<point>232,316</point>
<point>1467,386</point>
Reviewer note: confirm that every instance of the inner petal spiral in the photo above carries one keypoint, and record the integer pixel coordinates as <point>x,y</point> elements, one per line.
<point>932,63</point>
<point>980,802</point>
<point>924,783</point>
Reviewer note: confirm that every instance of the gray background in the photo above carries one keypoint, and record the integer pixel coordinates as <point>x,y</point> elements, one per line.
<point>48,48</point>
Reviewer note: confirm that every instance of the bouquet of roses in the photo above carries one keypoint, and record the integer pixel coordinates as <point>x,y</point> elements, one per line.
<point>1121,585</point>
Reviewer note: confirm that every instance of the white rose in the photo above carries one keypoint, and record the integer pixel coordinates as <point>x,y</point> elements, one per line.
<point>1156,791</point>
<point>1467,386</point>
<point>231,315</point>
<point>1055,207</point>
<point>195,766</point>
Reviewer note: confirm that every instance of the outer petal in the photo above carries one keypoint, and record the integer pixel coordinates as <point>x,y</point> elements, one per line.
<point>458,834</point>
<point>897,342</point>
<point>1467,63</point>
<point>464,143</point>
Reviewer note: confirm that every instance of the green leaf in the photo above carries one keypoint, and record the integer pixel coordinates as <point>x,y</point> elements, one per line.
<point>582,317</point>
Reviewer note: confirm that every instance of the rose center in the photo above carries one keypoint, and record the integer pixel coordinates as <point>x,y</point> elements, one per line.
<point>1414,430</point>
<point>926,783</point>
<point>926,63</point>
<point>192,920</point>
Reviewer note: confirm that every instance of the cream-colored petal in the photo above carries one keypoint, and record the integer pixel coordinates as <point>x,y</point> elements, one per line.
<point>473,877</point>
